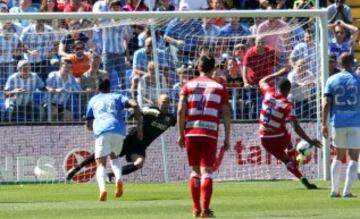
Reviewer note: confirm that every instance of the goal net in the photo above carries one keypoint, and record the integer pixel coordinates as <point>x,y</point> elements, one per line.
<point>144,55</point>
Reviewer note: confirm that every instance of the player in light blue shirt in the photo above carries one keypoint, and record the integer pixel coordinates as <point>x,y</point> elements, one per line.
<point>105,118</point>
<point>342,102</point>
<point>344,88</point>
<point>106,109</point>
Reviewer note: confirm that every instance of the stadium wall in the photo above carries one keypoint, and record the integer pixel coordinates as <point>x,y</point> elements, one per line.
<point>25,147</point>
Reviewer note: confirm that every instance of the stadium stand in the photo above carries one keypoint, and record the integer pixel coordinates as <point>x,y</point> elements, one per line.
<point>355,7</point>
<point>220,52</point>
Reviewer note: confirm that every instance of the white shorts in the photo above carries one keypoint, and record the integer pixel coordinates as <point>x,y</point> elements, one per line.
<point>347,138</point>
<point>107,143</point>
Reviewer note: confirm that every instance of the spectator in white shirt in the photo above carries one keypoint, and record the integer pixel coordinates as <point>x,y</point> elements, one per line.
<point>19,90</point>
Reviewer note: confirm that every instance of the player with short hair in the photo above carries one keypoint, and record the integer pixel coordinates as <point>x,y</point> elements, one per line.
<point>341,101</point>
<point>104,117</point>
<point>156,120</point>
<point>200,103</point>
<point>275,138</point>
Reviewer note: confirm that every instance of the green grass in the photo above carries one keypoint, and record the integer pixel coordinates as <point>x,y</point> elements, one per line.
<point>279,199</point>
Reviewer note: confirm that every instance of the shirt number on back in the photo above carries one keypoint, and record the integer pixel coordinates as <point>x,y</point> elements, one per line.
<point>267,116</point>
<point>346,96</point>
<point>200,104</point>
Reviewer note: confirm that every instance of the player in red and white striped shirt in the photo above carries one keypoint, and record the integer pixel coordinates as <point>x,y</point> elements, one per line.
<point>276,110</point>
<point>200,102</point>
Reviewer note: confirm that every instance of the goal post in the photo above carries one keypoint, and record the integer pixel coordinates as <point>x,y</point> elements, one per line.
<point>172,56</point>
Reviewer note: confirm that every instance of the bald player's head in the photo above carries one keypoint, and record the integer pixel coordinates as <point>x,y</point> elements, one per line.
<point>163,103</point>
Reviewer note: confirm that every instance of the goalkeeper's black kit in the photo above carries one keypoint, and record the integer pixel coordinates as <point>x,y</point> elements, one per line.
<point>154,124</point>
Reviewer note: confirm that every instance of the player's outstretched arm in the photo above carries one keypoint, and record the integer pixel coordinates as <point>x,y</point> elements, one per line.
<point>271,77</point>
<point>302,134</point>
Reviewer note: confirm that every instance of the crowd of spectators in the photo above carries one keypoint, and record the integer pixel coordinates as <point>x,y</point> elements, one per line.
<point>59,57</point>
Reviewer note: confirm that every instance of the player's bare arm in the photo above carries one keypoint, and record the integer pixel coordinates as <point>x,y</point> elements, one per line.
<point>327,101</point>
<point>271,77</point>
<point>181,120</point>
<point>300,132</point>
<point>227,125</point>
<point>89,124</point>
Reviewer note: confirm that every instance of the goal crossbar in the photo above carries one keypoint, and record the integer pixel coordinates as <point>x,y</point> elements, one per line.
<point>163,14</point>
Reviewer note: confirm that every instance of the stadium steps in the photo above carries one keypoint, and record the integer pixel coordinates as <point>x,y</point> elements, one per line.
<point>355,8</point>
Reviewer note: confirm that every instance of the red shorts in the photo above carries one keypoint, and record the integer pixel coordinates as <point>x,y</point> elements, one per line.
<point>277,146</point>
<point>201,151</point>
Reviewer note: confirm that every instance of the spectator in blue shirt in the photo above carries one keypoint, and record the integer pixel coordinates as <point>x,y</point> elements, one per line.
<point>114,39</point>
<point>24,7</point>
<point>340,43</point>
<point>339,11</point>
<point>184,35</point>
<point>140,61</point>
<point>38,40</point>
<point>19,90</point>
<point>234,28</point>
<point>66,46</point>
<point>10,45</point>
<point>211,31</point>
<point>306,50</point>
<point>61,85</point>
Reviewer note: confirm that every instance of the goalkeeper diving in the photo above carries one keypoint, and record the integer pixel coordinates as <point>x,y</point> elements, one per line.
<point>156,120</point>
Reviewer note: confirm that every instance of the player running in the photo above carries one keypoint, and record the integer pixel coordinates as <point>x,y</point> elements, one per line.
<point>104,116</point>
<point>275,138</point>
<point>156,120</point>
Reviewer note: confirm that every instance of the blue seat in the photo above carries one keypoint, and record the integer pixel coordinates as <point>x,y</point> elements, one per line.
<point>114,80</point>
<point>2,106</point>
<point>128,76</point>
<point>2,101</point>
<point>39,98</point>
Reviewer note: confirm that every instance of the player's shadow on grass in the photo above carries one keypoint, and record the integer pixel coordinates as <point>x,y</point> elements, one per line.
<point>317,189</point>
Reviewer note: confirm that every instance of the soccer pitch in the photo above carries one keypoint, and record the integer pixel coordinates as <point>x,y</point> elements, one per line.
<point>260,199</point>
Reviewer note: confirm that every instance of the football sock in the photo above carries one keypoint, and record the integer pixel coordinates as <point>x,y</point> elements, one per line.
<point>116,168</point>
<point>291,167</point>
<point>129,168</point>
<point>87,161</point>
<point>195,190</point>
<point>100,177</point>
<point>335,175</point>
<point>206,190</point>
<point>351,173</point>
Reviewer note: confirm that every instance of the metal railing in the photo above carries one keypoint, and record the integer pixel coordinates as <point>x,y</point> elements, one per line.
<point>40,107</point>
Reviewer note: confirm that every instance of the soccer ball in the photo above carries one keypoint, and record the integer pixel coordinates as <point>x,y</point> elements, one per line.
<point>304,148</point>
